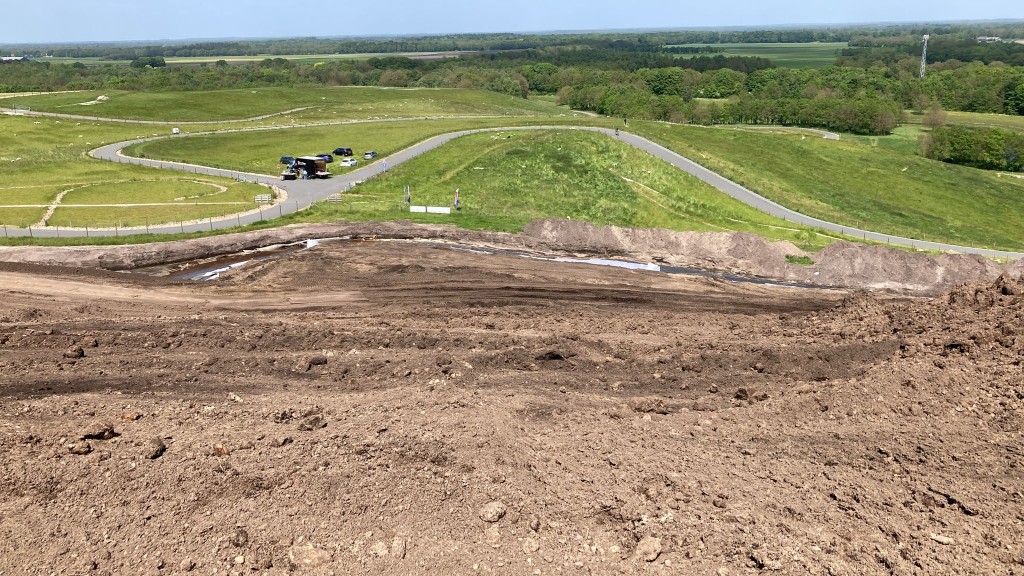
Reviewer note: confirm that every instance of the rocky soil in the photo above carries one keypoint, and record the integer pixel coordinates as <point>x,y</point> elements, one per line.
<point>387,407</point>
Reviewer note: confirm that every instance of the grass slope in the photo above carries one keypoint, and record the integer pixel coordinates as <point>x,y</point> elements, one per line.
<point>40,158</point>
<point>328,104</point>
<point>507,182</point>
<point>260,151</point>
<point>872,187</point>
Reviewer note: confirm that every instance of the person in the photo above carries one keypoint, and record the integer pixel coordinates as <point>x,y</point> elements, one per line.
<point>616,131</point>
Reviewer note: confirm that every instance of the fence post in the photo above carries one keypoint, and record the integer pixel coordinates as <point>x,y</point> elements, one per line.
<point>147,224</point>
<point>86,231</point>
<point>30,235</point>
<point>116,233</point>
<point>211,223</point>
<point>5,231</point>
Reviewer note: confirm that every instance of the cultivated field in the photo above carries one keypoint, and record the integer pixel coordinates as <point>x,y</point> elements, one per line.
<point>804,55</point>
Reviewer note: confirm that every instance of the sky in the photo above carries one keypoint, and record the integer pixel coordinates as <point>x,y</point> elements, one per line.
<point>142,20</point>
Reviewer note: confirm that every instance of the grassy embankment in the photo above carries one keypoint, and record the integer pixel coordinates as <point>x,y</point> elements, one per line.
<point>879,188</point>
<point>322,104</point>
<point>41,157</point>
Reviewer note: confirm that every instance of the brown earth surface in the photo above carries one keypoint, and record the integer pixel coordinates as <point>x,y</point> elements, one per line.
<point>396,408</point>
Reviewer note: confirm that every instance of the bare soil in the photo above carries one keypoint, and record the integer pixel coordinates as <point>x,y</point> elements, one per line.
<point>392,408</point>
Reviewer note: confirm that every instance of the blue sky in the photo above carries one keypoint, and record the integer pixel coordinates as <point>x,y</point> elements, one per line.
<point>106,20</point>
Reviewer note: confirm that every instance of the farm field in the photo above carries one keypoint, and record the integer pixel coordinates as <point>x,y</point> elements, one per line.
<point>803,55</point>
<point>196,60</point>
<point>872,187</point>
<point>327,104</point>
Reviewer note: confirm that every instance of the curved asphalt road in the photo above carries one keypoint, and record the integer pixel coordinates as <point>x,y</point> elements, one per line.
<point>303,193</point>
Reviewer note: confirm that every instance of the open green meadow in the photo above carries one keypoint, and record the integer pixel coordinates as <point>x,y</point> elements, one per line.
<point>873,183</point>
<point>41,158</point>
<point>506,182</point>
<point>260,151</point>
<point>802,55</point>
<point>975,119</point>
<point>877,188</point>
<point>320,104</point>
<point>20,217</point>
<point>125,216</point>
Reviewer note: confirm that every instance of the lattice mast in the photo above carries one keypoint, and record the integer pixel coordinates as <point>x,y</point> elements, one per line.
<point>924,56</point>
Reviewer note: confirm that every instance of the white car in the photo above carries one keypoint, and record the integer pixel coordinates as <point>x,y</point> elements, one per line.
<point>348,162</point>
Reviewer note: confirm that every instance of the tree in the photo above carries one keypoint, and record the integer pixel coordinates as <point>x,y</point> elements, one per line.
<point>935,117</point>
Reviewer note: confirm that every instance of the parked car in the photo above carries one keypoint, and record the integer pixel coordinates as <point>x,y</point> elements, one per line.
<point>342,151</point>
<point>348,162</point>
<point>369,155</point>
<point>287,160</point>
<point>327,157</point>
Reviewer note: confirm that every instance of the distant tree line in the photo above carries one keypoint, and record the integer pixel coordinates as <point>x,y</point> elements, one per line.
<point>619,75</point>
<point>867,51</point>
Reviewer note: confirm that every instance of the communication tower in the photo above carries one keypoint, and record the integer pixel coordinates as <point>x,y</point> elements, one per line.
<point>924,56</point>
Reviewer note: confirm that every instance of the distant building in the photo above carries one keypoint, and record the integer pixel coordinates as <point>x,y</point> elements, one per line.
<point>989,39</point>
<point>6,59</point>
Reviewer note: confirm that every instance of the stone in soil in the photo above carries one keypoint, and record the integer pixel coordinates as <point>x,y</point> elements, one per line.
<point>493,511</point>
<point>155,448</point>
<point>99,431</point>
<point>648,549</point>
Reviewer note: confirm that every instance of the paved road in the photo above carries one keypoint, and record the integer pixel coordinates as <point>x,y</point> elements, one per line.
<point>303,193</point>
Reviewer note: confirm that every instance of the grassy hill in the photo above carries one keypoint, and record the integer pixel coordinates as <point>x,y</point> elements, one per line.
<point>327,104</point>
<point>879,188</point>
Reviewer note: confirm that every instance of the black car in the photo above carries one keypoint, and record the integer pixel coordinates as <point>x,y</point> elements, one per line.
<point>287,160</point>
<point>327,157</point>
<point>342,151</point>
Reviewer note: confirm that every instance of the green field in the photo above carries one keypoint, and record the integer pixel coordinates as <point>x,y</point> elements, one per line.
<point>805,55</point>
<point>180,191</point>
<point>878,188</point>
<point>20,217</point>
<point>507,182</point>
<point>873,183</point>
<point>975,119</point>
<point>111,216</point>
<point>322,104</point>
<point>260,151</point>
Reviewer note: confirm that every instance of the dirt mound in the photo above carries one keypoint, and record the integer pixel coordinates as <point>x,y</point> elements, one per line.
<point>739,253</point>
<point>493,414</point>
<point>882,268</point>
<point>842,264</point>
